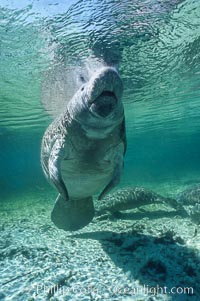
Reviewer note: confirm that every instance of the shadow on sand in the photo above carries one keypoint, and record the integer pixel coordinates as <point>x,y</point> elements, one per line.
<point>160,264</point>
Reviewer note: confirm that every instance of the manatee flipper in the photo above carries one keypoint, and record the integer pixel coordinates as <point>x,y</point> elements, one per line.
<point>72,215</point>
<point>115,179</point>
<point>55,176</point>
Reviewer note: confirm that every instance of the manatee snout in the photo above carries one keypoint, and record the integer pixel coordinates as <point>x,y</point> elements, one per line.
<point>104,104</point>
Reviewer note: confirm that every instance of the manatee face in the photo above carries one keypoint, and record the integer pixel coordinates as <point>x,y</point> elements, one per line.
<point>97,105</point>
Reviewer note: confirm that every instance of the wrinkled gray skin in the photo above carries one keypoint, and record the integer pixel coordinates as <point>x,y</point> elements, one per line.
<point>187,203</point>
<point>83,149</point>
<point>133,197</point>
<point>190,199</point>
<point>189,196</point>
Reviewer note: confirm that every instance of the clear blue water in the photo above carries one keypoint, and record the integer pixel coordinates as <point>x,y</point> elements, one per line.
<point>156,47</point>
<point>45,45</point>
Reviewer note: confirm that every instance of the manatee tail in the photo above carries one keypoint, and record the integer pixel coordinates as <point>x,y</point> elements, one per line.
<point>73,214</point>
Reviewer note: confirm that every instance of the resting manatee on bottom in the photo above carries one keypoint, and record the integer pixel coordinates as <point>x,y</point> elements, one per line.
<point>186,203</point>
<point>190,199</point>
<point>133,197</point>
<point>83,149</point>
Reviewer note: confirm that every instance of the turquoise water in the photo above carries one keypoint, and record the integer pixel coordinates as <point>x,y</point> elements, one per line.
<point>156,47</point>
<point>45,46</point>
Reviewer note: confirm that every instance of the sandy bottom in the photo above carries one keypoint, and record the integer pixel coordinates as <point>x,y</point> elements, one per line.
<point>146,254</point>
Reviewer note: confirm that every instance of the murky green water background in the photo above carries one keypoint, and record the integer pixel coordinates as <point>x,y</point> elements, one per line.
<point>156,46</point>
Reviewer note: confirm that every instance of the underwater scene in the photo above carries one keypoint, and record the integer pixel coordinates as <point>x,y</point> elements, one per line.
<point>99,150</point>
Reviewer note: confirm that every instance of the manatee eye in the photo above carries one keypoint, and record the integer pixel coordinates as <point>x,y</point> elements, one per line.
<point>82,78</point>
<point>82,88</point>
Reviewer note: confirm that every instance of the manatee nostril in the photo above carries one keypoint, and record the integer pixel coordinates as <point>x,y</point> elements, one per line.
<point>82,78</point>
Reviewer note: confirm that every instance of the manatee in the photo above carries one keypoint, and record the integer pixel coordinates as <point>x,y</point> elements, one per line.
<point>190,199</point>
<point>133,197</point>
<point>83,150</point>
<point>187,203</point>
<point>190,195</point>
